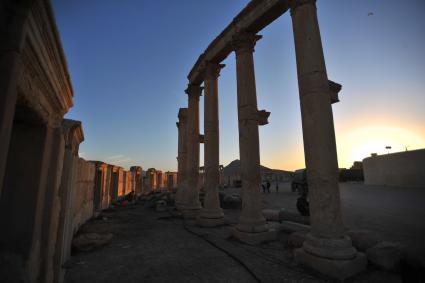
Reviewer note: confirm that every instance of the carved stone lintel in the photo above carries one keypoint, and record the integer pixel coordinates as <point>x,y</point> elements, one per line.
<point>194,91</point>
<point>263,115</point>
<point>294,4</point>
<point>212,70</point>
<point>201,138</point>
<point>245,41</point>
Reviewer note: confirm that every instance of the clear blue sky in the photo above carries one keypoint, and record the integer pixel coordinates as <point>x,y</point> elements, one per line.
<point>129,60</point>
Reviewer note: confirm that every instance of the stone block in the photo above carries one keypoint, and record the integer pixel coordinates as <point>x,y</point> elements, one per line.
<point>385,255</point>
<point>255,238</point>
<point>337,269</point>
<point>296,239</point>
<point>364,239</point>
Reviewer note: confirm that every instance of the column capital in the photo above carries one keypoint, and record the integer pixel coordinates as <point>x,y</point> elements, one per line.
<point>194,91</point>
<point>245,41</point>
<point>212,70</point>
<point>294,4</point>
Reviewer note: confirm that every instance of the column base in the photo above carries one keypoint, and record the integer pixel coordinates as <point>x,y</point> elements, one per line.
<point>211,217</point>
<point>339,269</point>
<point>210,222</point>
<point>190,212</point>
<point>254,238</point>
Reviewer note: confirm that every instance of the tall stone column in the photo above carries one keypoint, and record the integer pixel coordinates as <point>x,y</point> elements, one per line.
<point>182,156</point>
<point>252,227</point>
<point>211,214</point>
<point>191,204</point>
<point>73,134</point>
<point>13,29</point>
<point>326,249</point>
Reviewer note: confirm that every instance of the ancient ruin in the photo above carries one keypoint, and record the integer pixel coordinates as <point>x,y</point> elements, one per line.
<point>327,248</point>
<point>202,222</point>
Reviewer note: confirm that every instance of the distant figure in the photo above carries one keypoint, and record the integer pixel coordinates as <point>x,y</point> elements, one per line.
<point>302,205</point>
<point>268,186</point>
<point>277,187</point>
<point>264,188</point>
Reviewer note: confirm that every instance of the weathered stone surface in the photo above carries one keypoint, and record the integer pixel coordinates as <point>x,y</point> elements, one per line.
<point>337,269</point>
<point>83,196</point>
<point>90,241</point>
<point>255,238</point>
<point>364,239</point>
<point>385,255</point>
<point>296,239</point>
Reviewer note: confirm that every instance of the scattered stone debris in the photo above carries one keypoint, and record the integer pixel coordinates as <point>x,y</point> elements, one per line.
<point>296,239</point>
<point>90,241</point>
<point>364,239</point>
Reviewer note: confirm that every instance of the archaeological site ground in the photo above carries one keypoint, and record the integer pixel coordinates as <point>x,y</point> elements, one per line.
<point>68,217</point>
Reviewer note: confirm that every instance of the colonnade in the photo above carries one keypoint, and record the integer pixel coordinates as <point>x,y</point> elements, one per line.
<point>327,248</point>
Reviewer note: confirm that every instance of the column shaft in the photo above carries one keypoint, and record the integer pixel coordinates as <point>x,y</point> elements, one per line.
<point>182,155</point>
<point>326,248</point>
<point>191,191</point>
<point>251,219</point>
<point>318,127</point>
<point>211,213</point>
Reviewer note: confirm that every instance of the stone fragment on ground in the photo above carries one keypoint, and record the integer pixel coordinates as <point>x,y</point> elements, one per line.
<point>90,241</point>
<point>364,239</point>
<point>296,239</point>
<point>385,255</point>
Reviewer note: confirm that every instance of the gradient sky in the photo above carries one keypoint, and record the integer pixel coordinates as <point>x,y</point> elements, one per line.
<point>129,60</point>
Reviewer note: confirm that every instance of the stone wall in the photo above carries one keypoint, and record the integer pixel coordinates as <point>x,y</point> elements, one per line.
<point>83,204</point>
<point>396,169</point>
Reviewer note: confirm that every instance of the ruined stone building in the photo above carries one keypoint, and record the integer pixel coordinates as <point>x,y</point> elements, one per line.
<point>46,191</point>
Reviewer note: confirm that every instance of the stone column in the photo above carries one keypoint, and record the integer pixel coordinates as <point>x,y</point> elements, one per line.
<point>23,201</point>
<point>191,204</point>
<point>73,135</point>
<point>13,29</point>
<point>252,227</point>
<point>326,249</point>
<point>211,214</point>
<point>182,156</point>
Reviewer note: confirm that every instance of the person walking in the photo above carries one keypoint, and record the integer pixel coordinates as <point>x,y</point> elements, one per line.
<point>268,187</point>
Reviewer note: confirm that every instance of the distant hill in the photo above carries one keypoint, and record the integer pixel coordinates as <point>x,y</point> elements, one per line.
<point>234,167</point>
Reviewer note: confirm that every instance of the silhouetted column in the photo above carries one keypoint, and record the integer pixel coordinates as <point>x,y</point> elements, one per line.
<point>326,240</point>
<point>252,226</point>
<point>182,156</point>
<point>211,214</point>
<point>23,203</point>
<point>73,135</point>
<point>191,204</point>
<point>13,16</point>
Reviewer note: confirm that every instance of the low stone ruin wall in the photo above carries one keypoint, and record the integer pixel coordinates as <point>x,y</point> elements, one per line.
<point>83,194</point>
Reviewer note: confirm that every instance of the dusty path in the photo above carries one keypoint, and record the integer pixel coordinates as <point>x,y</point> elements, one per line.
<point>155,247</point>
<point>145,249</point>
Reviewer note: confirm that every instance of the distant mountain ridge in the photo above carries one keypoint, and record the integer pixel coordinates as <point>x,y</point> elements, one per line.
<point>234,168</point>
